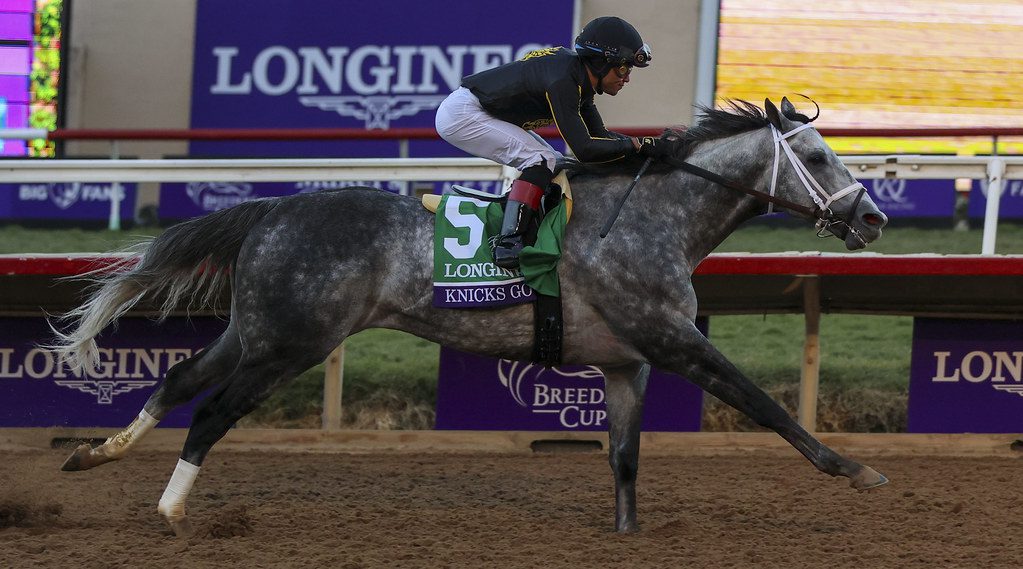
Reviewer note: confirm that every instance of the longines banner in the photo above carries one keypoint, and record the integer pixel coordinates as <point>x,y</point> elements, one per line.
<point>966,376</point>
<point>37,392</point>
<point>369,65</point>
<point>64,201</point>
<point>480,393</point>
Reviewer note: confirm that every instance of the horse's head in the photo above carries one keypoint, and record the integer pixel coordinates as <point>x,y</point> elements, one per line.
<point>808,172</point>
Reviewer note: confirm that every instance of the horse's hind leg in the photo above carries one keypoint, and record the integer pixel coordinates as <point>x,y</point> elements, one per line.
<point>182,383</point>
<point>249,385</point>
<point>704,366</point>
<point>624,388</point>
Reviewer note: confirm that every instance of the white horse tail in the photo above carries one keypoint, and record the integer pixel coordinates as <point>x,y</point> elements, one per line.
<point>190,259</point>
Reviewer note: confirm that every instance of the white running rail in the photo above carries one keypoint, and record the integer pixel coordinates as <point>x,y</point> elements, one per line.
<point>994,169</point>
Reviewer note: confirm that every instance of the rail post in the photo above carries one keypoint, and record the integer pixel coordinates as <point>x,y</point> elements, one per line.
<point>333,381</point>
<point>809,378</point>
<point>995,174</point>
<point>114,221</point>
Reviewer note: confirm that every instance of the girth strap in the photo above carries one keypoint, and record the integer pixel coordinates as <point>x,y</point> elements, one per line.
<point>549,330</point>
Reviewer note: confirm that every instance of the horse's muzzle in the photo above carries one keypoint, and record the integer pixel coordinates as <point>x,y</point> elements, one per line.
<point>864,228</point>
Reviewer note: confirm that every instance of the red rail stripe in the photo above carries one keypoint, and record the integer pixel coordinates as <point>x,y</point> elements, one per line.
<point>55,265</point>
<point>716,264</point>
<point>924,265</point>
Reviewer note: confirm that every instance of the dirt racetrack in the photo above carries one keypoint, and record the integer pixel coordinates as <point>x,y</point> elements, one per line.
<point>400,509</point>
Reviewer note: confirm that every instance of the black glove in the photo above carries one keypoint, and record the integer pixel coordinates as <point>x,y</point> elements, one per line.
<point>667,146</point>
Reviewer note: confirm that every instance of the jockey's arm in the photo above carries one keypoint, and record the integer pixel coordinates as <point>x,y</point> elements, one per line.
<point>582,128</point>
<point>595,124</point>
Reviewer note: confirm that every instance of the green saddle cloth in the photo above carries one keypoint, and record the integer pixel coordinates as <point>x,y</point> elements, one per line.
<point>539,262</point>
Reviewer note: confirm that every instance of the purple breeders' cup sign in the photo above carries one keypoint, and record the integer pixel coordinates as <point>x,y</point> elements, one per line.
<point>480,393</point>
<point>966,376</point>
<point>36,392</point>
<point>1010,206</point>
<point>912,198</point>
<point>377,66</point>
<point>79,201</point>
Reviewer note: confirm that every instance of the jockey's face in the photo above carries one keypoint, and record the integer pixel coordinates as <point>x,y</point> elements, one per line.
<point>616,79</point>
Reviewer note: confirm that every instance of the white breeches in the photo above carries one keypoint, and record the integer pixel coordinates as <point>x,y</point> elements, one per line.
<point>462,121</point>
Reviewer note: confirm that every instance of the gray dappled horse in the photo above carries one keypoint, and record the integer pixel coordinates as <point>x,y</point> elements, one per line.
<point>307,271</point>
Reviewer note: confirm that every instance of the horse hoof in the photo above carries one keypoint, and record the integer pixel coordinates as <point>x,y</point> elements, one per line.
<point>181,527</point>
<point>79,460</point>
<point>86,457</point>
<point>867,478</point>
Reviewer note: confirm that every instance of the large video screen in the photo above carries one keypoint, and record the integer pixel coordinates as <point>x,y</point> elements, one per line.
<point>881,64</point>
<point>30,35</point>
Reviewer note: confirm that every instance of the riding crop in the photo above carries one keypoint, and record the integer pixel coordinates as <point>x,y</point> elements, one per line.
<point>611,220</point>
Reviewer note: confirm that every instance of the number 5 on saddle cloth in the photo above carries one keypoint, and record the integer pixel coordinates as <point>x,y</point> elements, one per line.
<point>465,275</point>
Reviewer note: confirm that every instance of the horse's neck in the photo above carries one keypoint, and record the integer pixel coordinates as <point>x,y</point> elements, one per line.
<point>709,212</point>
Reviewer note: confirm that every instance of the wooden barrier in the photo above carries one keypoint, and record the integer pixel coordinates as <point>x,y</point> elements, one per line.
<point>976,286</point>
<point>317,440</point>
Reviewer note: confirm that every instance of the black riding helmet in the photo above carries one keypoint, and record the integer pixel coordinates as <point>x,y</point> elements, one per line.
<point>609,42</point>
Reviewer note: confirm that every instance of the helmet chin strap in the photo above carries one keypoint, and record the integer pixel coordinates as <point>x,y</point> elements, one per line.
<point>598,74</point>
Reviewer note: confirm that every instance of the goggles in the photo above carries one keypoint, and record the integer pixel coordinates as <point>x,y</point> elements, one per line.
<point>641,58</point>
<point>623,56</point>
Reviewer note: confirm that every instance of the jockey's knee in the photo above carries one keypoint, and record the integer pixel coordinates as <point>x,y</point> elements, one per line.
<point>539,175</point>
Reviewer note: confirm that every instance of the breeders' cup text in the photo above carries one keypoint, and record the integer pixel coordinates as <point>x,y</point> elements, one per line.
<point>572,404</point>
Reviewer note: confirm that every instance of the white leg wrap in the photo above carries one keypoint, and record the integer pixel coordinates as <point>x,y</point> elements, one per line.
<point>172,503</point>
<point>117,445</point>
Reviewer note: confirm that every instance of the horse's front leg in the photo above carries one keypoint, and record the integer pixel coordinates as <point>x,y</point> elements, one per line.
<point>624,388</point>
<point>707,368</point>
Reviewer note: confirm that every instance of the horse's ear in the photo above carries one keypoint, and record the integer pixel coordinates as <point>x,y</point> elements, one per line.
<point>788,110</point>
<point>772,113</point>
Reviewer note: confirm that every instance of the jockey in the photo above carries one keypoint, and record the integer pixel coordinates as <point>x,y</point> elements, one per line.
<point>493,113</point>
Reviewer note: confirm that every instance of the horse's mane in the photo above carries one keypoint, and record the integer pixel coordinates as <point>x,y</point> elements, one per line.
<point>739,116</point>
<point>736,117</point>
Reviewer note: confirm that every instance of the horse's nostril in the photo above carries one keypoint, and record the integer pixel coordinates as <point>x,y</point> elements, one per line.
<point>872,219</point>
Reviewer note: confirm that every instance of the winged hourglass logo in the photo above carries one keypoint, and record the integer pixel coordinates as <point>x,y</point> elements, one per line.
<point>1017,389</point>
<point>376,111</point>
<point>104,390</point>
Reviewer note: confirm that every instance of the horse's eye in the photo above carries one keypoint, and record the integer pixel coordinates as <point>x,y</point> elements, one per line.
<point>817,157</point>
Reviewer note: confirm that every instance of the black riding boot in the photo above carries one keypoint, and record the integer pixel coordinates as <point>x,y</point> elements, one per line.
<point>520,216</point>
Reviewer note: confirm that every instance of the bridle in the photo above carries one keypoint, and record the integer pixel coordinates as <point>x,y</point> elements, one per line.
<point>820,196</point>
<point>827,220</point>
